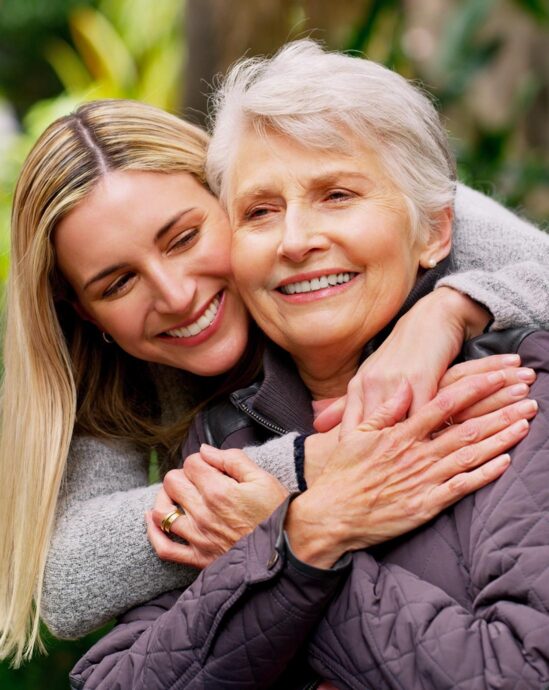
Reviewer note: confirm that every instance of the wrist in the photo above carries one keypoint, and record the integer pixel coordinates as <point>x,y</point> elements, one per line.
<point>317,449</point>
<point>470,316</point>
<point>312,538</point>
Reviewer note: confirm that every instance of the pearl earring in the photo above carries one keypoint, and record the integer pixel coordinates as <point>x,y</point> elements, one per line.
<point>432,263</point>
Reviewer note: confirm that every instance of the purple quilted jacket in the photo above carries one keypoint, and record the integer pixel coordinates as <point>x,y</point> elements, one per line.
<point>239,625</point>
<point>461,603</point>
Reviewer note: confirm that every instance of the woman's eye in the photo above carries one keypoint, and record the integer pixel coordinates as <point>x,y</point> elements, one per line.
<point>257,213</point>
<point>184,239</point>
<point>118,286</point>
<point>338,195</point>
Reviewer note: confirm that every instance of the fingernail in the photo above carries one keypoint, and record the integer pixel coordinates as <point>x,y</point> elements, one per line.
<point>525,374</point>
<point>528,406</point>
<point>502,460</point>
<point>208,448</point>
<point>518,390</point>
<point>520,426</point>
<point>496,377</point>
<point>511,360</point>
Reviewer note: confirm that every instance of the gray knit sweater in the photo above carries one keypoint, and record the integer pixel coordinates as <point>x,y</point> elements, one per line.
<point>100,561</point>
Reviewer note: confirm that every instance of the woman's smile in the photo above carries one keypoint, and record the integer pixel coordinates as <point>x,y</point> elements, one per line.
<point>199,328</point>
<point>315,285</point>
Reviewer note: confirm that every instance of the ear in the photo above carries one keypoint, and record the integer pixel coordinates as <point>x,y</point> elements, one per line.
<point>84,314</point>
<point>439,243</point>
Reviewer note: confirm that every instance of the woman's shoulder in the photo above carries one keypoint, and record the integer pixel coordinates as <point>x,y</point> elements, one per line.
<point>508,341</point>
<point>534,350</point>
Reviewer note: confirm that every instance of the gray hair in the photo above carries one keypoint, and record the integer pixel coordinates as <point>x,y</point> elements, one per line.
<point>318,98</point>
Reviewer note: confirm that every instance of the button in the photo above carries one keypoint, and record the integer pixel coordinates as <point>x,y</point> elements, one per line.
<point>273,560</point>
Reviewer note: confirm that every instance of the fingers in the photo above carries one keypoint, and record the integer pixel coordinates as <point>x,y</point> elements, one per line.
<point>476,454</point>
<point>331,416</point>
<point>452,400</point>
<point>354,411</point>
<point>165,548</point>
<point>496,401</point>
<point>465,483</point>
<point>390,412</point>
<point>163,502</point>
<point>480,428</point>
<point>478,366</point>
<point>178,488</point>
<point>205,476</point>
<point>234,463</point>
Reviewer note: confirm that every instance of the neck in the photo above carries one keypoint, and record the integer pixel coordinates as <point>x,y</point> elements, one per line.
<point>327,376</point>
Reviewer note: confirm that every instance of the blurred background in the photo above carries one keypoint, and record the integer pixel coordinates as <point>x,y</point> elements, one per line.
<point>486,62</point>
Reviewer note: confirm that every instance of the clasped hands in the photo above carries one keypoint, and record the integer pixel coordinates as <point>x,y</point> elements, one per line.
<point>367,484</point>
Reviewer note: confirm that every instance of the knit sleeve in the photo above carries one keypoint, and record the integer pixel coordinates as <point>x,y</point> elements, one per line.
<point>100,562</point>
<point>500,260</point>
<point>277,457</point>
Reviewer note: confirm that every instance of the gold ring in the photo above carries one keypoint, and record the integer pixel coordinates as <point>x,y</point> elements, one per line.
<point>169,519</point>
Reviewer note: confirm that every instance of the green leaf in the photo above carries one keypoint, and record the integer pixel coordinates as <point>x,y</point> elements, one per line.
<point>102,49</point>
<point>68,66</point>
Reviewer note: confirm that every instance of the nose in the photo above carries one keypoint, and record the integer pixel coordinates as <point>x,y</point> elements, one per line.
<point>173,293</point>
<point>302,234</point>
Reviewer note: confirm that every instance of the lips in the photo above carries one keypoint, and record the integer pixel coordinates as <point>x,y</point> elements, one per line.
<point>320,282</point>
<point>198,325</point>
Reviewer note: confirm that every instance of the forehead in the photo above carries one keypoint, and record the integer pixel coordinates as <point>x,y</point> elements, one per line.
<point>123,212</point>
<point>267,160</point>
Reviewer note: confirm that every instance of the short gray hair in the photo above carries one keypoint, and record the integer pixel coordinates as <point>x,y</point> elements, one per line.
<point>315,97</point>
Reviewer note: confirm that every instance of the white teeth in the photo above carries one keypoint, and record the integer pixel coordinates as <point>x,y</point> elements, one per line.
<point>317,283</point>
<point>199,325</point>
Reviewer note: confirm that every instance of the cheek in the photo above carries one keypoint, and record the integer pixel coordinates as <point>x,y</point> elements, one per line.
<point>122,321</point>
<point>252,261</point>
<point>215,257</point>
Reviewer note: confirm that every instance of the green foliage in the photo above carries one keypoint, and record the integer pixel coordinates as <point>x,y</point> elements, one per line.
<point>488,156</point>
<point>118,49</point>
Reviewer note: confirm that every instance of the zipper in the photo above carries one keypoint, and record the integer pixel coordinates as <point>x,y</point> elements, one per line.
<point>312,685</point>
<point>271,426</point>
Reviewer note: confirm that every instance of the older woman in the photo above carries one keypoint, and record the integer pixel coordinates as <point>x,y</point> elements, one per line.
<point>339,183</point>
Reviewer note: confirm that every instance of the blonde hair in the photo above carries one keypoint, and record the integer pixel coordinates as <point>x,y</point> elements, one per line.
<point>317,98</point>
<point>58,371</point>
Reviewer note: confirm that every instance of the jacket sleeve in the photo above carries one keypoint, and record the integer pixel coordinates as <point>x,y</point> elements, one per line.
<point>408,633</point>
<point>500,261</point>
<point>237,626</point>
<point>100,562</point>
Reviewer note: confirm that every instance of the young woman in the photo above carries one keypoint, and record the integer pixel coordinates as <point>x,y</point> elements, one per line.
<point>147,284</point>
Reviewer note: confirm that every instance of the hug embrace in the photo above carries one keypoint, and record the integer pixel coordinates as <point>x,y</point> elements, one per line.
<point>337,353</point>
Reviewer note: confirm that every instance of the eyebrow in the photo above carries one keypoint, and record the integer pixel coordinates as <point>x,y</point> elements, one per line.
<point>257,191</point>
<point>168,225</point>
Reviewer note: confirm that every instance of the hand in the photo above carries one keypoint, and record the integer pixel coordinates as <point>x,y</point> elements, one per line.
<point>388,477</point>
<point>319,447</point>
<point>225,495</point>
<point>517,383</point>
<point>420,348</point>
